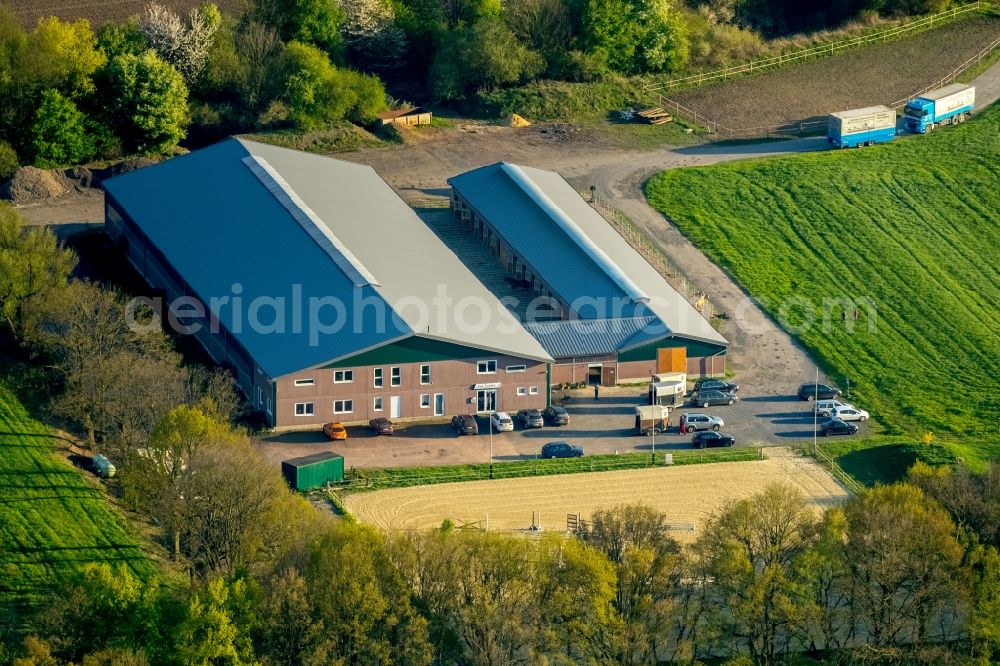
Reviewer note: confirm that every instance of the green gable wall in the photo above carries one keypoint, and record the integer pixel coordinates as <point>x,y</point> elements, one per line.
<point>413,350</point>
<point>647,352</point>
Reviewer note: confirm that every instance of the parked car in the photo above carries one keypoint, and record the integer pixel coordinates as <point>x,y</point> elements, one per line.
<point>709,438</point>
<point>561,450</point>
<point>814,391</point>
<point>465,424</point>
<point>849,413</point>
<point>706,398</point>
<point>716,385</point>
<point>530,418</point>
<point>693,421</point>
<point>335,430</point>
<point>380,426</point>
<point>556,415</point>
<point>502,422</point>
<point>824,407</point>
<point>837,427</point>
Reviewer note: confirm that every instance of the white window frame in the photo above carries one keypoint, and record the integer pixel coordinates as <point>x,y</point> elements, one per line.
<point>270,408</point>
<point>427,367</point>
<point>260,396</point>
<point>378,378</point>
<point>516,368</point>
<point>532,390</point>
<point>378,404</point>
<point>490,363</point>
<point>305,382</point>
<point>425,401</point>
<point>346,406</point>
<point>346,376</point>
<point>521,390</point>
<point>396,375</point>
<point>308,409</point>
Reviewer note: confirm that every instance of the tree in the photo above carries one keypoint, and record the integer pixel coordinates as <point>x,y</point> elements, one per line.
<point>118,380</point>
<point>60,132</point>
<point>183,44</point>
<point>209,634</point>
<point>315,22</point>
<point>214,392</point>
<point>8,161</point>
<point>150,102</point>
<point>33,267</point>
<point>903,563</point>
<point>61,55</point>
<point>984,630</point>
<point>290,635</point>
<point>750,549</point>
<point>374,41</point>
<point>484,55</point>
<point>636,36</point>
<point>125,38</point>
<point>363,601</point>
<point>576,591</point>
<point>154,482</point>
<point>318,93</point>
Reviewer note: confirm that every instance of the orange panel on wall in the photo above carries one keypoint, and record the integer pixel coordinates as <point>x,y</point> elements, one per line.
<point>671,359</point>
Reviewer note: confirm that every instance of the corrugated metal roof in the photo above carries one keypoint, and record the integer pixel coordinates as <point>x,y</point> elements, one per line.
<point>576,276</point>
<point>594,337</point>
<point>229,235</point>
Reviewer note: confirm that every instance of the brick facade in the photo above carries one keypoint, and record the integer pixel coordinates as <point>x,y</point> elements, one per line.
<point>452,380</point>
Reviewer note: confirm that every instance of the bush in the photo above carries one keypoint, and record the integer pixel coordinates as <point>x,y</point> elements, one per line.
<point>60,136</point>
<point>150,102</point>
<point>8,160</point>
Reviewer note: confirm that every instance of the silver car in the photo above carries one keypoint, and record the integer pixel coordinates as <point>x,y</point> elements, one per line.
<point>694,421</point>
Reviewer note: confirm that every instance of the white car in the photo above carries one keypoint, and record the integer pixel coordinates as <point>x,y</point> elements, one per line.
<point>502,422</point>
<point>849,413</point>
<point>825,407</point>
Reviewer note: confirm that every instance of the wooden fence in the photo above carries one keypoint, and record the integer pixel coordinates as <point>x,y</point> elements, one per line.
<point>650,252</point>
<point>837,471</point>
<point>755,66</point>
<point>816,126</point>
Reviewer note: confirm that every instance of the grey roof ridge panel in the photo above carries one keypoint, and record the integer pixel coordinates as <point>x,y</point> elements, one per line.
<point>310,222</point>
<point>571,229</point>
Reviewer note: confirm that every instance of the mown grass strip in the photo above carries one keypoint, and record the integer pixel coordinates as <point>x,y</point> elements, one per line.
<point>52,521</point>
<point>377,479</point>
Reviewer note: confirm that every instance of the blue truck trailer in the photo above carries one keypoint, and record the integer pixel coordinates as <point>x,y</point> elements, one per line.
<point>945,106</point>
<point>861,127</point>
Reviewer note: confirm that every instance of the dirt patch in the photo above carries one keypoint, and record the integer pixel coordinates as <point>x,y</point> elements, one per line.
<point>689,493</point>
<point>29,184</point>
<point>879,74</point>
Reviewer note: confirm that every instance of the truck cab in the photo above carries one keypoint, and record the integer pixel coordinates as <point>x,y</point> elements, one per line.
<point>946,106</point>
<point>917,114</point>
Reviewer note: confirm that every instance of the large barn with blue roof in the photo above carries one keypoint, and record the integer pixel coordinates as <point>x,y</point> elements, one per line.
<point>320,288</point>
<point>610,317</point>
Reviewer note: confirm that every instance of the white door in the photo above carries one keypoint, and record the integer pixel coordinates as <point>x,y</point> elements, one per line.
<point>395,407</point>
<point>439,404</point>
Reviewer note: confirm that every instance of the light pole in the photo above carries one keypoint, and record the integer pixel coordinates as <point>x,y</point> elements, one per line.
<point>816,415</point>
<point>652,434</point>
<point>491,442</point>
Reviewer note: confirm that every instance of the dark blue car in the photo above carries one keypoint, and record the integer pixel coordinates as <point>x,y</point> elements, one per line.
<point>561,450</point>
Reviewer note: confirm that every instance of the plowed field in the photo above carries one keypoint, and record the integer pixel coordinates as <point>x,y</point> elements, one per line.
<point>102,11</point>
<point>687,494</point>
<point>877,74</point>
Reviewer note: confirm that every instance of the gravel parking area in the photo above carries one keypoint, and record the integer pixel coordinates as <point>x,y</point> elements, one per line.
<point>603,426</point>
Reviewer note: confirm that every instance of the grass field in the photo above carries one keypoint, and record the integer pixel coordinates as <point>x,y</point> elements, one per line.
<point>877,74</point>
<point>52,519</point>
<point>686,493</point>
<point>883,460</point>
<point>912,226</point>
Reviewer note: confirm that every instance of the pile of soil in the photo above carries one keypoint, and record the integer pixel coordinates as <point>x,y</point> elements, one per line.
<point>130,165</point>
<point>30,184</point>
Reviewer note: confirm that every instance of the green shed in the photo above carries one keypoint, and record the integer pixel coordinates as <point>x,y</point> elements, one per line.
<point>313,471</point>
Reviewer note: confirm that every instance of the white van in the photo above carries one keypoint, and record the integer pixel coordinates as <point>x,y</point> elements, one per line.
<point>825,407</point>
